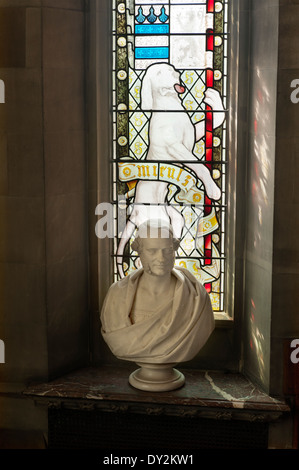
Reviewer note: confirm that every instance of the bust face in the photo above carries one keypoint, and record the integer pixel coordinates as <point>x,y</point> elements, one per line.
<point>157,256</point>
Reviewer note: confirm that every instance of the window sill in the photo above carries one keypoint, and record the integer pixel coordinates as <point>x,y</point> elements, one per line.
<point>223,320</point>
<point>206,394</point>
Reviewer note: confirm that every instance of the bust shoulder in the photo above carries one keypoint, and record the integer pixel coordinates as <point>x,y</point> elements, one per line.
<point>199,287</point>
<point>122,283</point>
<point>186,274</point>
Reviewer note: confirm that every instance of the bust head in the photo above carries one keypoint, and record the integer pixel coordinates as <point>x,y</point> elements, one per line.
<point>156,246</point>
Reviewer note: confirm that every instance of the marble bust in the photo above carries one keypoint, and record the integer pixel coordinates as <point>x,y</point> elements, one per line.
<point>159,315</point>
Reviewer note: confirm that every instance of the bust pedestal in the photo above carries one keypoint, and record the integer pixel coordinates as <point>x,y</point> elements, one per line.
<point>156,378</point>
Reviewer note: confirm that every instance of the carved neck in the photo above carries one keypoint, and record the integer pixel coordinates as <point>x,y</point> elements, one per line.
<point>156,283</point>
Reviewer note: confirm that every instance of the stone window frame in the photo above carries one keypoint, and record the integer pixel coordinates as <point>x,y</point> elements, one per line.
<point>104,133</point>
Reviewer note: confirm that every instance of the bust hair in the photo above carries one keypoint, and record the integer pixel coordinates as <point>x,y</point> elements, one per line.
<point>148,228</point>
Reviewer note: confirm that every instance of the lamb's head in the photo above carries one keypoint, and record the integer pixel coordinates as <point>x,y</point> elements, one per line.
<point>161,85</point>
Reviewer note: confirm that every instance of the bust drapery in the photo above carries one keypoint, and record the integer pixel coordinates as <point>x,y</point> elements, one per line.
<point>176,331</point>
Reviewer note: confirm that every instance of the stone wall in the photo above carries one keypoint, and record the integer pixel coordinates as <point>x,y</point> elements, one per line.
<point>43,194</point>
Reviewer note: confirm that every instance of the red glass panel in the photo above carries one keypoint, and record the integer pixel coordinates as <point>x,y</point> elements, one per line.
<point>210,78</point>
<point>211,6</point>
<point>210,40</point>
<point>208,288</point>
<point>209,140</point>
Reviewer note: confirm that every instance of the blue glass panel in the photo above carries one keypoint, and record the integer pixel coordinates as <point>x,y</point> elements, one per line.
<point>140,18</point>
<point>152,18</point>
<point>152,53</point>
<point>163,17</point>
<point>152,29</point>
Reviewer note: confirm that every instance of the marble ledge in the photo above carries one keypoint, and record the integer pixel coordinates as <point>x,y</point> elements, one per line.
<point>205,394</point>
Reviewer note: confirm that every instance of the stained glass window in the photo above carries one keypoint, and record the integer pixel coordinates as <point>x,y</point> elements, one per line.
<point>169,130</point>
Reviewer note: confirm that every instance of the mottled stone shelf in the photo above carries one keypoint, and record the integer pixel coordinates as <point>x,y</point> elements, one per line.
<point>206,394</point>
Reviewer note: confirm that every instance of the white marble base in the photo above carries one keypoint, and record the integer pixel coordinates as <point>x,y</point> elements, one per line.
<point>156,378</point>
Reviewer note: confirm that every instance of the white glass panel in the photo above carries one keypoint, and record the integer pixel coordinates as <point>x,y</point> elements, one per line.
<point>186,1</point>
<point>190,19</point>
<point>154,2</point>
<point>142,64</point>
<point>189,52</point>
<point>151,41</point>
